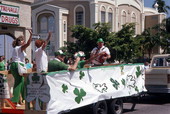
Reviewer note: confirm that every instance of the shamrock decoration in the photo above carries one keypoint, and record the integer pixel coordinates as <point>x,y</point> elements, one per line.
<point>80,94</point>
<point>35,78</point>
<point>100,87</point>
<point>65,88</point>
<point>37,90</point>
<point>123,81</point>
<point>131,81</point>
<point>122,68</point>
<point>138,72</point>
<point>115,83</point>
<point>81,75</point>
<point>136,89</point>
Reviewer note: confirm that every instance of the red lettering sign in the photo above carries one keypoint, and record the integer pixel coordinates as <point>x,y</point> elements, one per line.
<point>9,9</point>
<point>9,19</point>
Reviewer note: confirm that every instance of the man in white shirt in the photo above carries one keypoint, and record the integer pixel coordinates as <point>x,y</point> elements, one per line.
<point>41,58</point>
<point>100,60</point>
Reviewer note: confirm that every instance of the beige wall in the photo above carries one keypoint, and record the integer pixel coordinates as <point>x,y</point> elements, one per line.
<point>71,6</point>
<point>129,10</point>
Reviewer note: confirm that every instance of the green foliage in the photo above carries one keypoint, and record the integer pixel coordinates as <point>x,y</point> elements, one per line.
<point>81,75</point>
<point>80,94</point>
<point>162,7</point>
<point>86,38</point>
<point>125,44</point>
<point>151,39</point>
<point>64,88</point>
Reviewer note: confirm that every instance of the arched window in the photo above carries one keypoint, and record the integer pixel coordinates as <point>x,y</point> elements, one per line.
<point>43,24</point>
<point>133,20</point>
<point>110,18</point>
<point>123,16</point>
<point>46,23</point>
<point>51,23</point>
<point>79,16</point>
<point>103,15</point>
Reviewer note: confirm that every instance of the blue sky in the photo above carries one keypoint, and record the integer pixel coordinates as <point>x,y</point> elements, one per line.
<point>149,3</point>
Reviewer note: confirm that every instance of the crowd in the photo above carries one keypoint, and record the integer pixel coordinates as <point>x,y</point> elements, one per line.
<point>98,56</point>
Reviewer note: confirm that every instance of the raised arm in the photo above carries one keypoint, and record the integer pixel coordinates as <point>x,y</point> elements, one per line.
<point>46,42</point>
<point>28,42</point>
<point>74,67</point>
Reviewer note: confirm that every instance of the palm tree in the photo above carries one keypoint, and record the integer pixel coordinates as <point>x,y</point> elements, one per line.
<point>162,7</point>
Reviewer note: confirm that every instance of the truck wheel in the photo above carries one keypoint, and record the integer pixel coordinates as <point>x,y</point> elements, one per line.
<point>100,107</point>
<point>116,106</point>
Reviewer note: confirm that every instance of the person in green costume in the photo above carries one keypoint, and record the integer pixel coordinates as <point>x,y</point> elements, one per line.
<point>2,64</point>
<point>18,55</point>
<point>58,63</point>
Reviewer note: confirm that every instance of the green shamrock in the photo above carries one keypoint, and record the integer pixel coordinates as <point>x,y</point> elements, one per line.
<point>123,81</point>
<point>138,72</point>
<point>35,77</point>
<point>64,88</point>
<point>80,94</point>
<point>115,83</point>
<point>136,89</point>
<point>81,75</point>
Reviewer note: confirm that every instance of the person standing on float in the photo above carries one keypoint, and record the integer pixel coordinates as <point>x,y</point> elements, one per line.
<point>18,55</point>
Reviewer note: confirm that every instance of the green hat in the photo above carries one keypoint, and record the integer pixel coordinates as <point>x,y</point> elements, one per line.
<point>100,40</point>
<point>59,52</point>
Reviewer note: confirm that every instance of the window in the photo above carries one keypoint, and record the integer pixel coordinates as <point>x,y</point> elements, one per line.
<point>133,20</point>
<point>79,18</point>
<point>110,18</point>
<point>79,15</point>
<point>103,14</point>
<point>103,17</point>
<point>123,18</point>
<point>46,23</point>
<point>64,26</point>
<point>51,24</point>
<point>43,25</point>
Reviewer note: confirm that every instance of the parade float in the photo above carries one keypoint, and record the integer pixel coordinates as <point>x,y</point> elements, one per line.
<point>103,88</point>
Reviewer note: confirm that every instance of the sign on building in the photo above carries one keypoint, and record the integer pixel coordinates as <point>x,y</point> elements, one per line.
<point>9,14</point>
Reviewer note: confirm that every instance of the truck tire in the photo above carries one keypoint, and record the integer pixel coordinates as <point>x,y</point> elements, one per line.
<point>100,108</point>
<point>116,106</point>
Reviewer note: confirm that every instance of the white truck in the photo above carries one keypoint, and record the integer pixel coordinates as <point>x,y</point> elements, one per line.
<point>157,77</point>
<point>104,88</point>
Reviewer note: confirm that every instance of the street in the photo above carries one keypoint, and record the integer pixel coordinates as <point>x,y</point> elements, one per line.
<point>149,104</point>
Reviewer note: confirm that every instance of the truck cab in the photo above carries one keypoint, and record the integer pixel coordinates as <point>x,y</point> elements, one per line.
<point>157,77</point>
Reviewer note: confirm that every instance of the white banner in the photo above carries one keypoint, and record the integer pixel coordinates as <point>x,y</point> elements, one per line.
<point>70,90</point>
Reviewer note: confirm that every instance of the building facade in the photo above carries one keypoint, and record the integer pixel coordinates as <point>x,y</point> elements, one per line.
<point>58,15</point>
<point>15,18</point>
